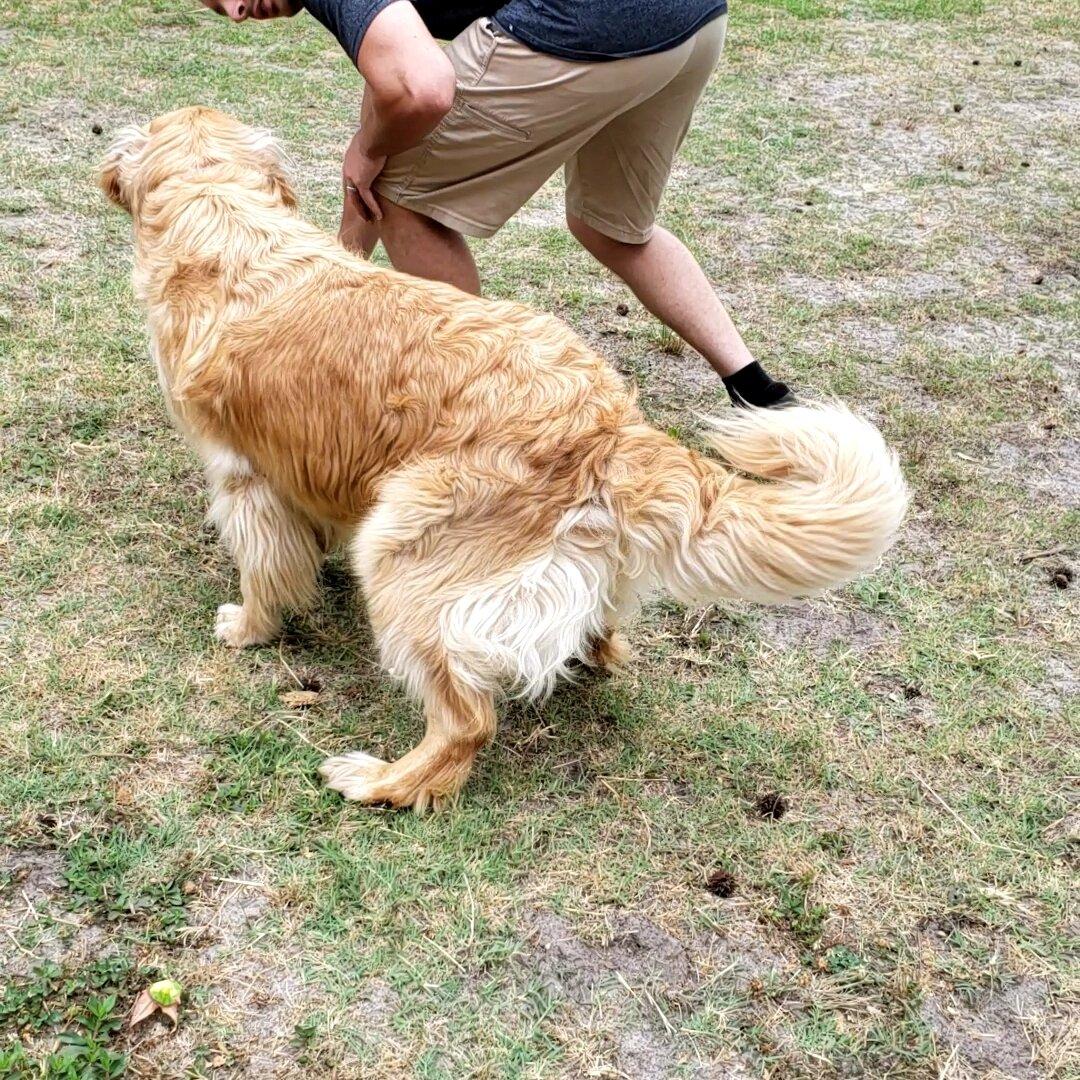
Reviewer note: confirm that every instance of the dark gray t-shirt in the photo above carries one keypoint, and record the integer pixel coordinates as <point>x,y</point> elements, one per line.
<point>576,29</point>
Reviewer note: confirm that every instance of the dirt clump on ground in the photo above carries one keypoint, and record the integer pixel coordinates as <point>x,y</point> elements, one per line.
<point>771,805</point>
<point>1062,576</point>
<point>721,883</point>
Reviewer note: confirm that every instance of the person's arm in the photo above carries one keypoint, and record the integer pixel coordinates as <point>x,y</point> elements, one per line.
<point>410,88</point>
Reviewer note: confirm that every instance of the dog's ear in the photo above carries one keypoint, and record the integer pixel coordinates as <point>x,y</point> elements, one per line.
<point>273,162</point>
<point>109,181</point>
<point>282,187</point>
<point>116,171</point>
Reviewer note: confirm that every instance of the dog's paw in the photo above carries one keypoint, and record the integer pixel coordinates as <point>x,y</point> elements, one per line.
<point>234,628</point>
<point>357,776</point>
<point>610,654</point>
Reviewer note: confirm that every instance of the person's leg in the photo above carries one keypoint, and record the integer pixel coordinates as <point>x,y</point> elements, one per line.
<point>418,245</point>
<point>666,278</point>
<point>518,116</point>
<point>614,184</point>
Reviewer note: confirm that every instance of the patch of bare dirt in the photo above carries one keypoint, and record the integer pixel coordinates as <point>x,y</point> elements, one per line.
<point>639,960</point>
<point>145,782</point>
<point>374,1006</point>
<point>641,978</point>
<point>820,625</point>
<point>48,238</point>
<point>225,916</point>
<point>638,950</point>
<point>895,146</point>
<point>254,993</point>
<point>35,925</point>
<point>1033,125</point>
<point>745,951</point>
<point>880,339</point>
<point>822,292</point>
<point>643,1054</point>
<point>994,1035</point>
<point>673,383</point>
<point>540,216</point>
<point>64,127</point>
<point>1060,686</point>
<point>1036,337</point>
<point>1069,373</point>
<point>1048,468</point>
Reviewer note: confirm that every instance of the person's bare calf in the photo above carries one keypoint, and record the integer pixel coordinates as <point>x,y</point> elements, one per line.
<point>667,279</point>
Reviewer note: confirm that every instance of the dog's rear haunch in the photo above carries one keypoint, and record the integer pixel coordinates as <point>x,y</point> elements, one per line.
<point>504,501</point>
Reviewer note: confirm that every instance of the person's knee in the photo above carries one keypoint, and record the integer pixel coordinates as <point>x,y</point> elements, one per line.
<point>592,240</point>
<point>607,250</point>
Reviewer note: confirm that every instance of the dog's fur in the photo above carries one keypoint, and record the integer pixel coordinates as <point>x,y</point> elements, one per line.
<point>504,501</point>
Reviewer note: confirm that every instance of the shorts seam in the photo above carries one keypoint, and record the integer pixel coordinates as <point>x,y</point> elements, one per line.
<point>487,59</point>
<point>612,232</point>
<point>449,218</point>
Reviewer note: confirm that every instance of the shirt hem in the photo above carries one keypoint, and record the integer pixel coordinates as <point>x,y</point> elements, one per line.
<point>539,45</point>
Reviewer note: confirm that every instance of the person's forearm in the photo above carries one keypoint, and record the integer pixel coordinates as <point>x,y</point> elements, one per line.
<point>409,82</point>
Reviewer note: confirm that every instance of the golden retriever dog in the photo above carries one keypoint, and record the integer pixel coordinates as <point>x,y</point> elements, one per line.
<point>505,503</point>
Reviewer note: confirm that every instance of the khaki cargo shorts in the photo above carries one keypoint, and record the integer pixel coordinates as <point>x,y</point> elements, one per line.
<point>519,114</point>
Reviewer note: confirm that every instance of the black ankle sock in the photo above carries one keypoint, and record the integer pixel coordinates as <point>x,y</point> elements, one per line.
<point>752,385</point>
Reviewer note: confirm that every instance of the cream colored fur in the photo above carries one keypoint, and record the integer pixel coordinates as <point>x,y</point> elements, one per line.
<point>505,503</point>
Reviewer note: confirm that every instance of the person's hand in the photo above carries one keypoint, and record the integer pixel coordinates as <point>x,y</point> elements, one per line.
<point>357,233</point>
<point>358,173</point>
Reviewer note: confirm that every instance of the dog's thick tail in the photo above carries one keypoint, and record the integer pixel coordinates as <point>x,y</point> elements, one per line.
<point>814,500</point>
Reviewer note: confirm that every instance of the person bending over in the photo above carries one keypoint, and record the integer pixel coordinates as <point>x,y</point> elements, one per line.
<point>453,142</point>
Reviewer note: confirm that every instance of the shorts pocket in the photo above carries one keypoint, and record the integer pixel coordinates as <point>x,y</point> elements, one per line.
<point>470,114</point>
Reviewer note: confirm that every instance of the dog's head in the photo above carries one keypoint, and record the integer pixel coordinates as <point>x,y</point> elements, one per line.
<point>189,143</point>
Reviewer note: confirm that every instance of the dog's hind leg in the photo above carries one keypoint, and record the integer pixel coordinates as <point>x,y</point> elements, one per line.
<point>277,551</point>
<point>460,722</point>
<point>468,589</point>
<point>608,652</point>
<point>417,542</point>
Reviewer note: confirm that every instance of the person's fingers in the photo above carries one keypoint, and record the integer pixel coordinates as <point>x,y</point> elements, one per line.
<point>368,196</point>
<point>351,219</point>
<point>355,202</point>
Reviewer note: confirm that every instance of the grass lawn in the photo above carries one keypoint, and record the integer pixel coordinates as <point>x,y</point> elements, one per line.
<point>835,840</point>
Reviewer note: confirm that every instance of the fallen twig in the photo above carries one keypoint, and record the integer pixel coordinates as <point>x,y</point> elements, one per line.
<point>1031,556</point>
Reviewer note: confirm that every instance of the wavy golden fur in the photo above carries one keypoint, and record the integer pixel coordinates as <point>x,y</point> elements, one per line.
<point>504,500</point>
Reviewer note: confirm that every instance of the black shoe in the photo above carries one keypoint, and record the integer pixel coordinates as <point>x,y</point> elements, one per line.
<point>751,387</point>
